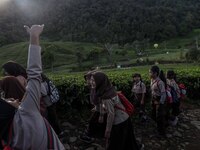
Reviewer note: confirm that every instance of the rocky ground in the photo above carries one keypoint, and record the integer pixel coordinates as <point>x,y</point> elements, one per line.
<point>184,136</point>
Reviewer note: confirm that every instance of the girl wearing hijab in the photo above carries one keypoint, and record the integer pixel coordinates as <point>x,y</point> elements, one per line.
<point>119,131</point>
<point>30,130</point>
<point>97,121</point>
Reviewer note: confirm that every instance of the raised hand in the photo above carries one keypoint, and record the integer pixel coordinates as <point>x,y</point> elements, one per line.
<point>35,30</point>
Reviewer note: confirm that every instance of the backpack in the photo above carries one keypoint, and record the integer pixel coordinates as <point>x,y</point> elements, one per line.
<point>52,92</point>
<point>183,90</point>
<point>129,108</point>
<point>171,95</point>
<point>174,94</point>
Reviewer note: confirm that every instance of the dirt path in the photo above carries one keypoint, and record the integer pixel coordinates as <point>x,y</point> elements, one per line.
<point>184,136</point>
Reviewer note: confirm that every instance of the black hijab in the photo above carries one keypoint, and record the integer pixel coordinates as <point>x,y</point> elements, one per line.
<point>104,89</point>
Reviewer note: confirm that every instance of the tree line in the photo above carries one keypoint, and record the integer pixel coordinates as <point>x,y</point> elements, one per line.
<point>101,21</point>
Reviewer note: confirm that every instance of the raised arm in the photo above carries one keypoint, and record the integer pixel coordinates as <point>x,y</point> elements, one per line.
<point>33,91</point>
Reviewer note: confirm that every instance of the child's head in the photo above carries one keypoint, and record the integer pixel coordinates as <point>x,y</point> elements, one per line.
<point>101,83</point>
<point>87,77</point>
<point>13,69</point>
<point>136,77</point>
<point>170,74</point>
<point>154,72</point>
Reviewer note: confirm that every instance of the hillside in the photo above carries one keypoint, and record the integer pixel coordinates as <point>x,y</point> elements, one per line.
<point>102,21</point>
<point>76,55</point>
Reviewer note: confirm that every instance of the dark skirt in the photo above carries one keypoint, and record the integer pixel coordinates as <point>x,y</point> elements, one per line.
<point>122,137</point>
<point>96,129</point>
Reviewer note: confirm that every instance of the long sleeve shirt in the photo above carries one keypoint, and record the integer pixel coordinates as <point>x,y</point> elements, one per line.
<point>158,90</point>
<point>114,116</point>
<point>30,132</point>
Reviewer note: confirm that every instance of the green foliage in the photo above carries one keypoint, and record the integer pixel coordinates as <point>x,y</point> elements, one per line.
<point>74,92</point>
<point>48,56</point>
<point>193,55</point>
<point>104,21</point>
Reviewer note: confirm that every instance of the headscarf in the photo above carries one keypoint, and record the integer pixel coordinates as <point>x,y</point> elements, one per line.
<point>89,74</point>
<point>93,98</point>
<point>104,89</point>
<point>14,69</point>
<point>12,88</point>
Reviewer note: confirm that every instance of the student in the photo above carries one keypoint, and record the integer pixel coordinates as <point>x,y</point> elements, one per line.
<point>97,122</point>
<point>30,129</point>
<point>158,90</point>
<point>139,91</point>
<point>12,68</point>
<point>50,106</point>
<point>10,88</point>
<point>171,82</point>
<point>119,132</point>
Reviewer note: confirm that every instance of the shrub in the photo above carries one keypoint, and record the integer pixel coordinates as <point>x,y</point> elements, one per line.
<point>74,92</point>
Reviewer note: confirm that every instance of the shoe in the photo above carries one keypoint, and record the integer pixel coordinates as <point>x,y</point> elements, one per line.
<point>144,119</point>
<point>62,135</point>
<point>174,122</point>
<point>86,139</point>
<point>141,146</point>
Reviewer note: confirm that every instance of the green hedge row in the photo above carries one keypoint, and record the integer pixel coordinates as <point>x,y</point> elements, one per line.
<point>74,92</point>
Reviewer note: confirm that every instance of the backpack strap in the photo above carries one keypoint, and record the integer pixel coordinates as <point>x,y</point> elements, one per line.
<point>117,106</point>
<point>49,88</point>
<point>49,135</point>
<point>122,109</point>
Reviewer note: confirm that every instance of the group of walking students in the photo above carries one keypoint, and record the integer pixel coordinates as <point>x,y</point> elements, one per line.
<point>28,119</point>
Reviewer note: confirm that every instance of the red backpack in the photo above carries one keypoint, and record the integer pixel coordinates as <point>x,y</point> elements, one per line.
<point>183,90</point>
<point>129,108</point>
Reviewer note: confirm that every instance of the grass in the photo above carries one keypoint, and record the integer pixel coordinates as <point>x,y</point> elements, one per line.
<point>138,69</point>
<point>66,59</point>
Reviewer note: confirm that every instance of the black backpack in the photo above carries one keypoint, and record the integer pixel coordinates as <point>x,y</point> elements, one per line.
<point>174,94</point>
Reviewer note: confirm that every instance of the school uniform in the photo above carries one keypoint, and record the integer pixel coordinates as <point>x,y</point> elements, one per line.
<point>138,90</point>
<point>175,106</point>
<point>158,103</point>
<point>29,127</point>
<point>119,123</point>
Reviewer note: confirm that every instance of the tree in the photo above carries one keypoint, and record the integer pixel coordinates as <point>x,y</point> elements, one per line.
<point>101,21</point>
<point>79,56</point>
<point>94,56</point>
<point>193,55</point>
<point>48,56</point>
